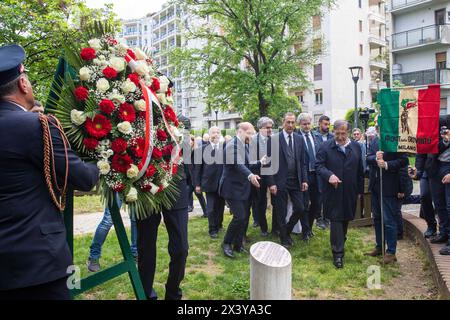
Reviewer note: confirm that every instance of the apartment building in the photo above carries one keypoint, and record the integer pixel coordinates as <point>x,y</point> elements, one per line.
<point>420,44</point>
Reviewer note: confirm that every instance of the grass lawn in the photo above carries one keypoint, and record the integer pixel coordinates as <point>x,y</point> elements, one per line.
<point>87,204</point>
<point>210,275</point>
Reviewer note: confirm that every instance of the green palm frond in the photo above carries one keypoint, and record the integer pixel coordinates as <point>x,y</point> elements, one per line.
<point>99,28</point>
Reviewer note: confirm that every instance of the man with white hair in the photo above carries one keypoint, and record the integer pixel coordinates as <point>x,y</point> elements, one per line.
<point>261,145</point>
<point>313,195</point>
<point>208,174</point>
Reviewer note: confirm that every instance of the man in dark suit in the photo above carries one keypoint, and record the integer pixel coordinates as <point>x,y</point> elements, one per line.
<point>176,222</point>
<point>260,147</point>
<point>235,187</point>
<point>312,144</point>
<point>290,180</point>
<point>208,174</point>
<point>322,134</point>
<point>34,255</point>
<point>339,165</point>
<point>390,163</point>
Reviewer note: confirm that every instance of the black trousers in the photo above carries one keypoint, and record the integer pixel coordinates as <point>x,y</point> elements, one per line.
<point>239,223</point>
<point>55,290</point>
<point>298,212</point>
<point>427,211</point>
<point>200,197</point>
<point>314,199</point>
<point>275,226</point>
<point>215,205</point>
<point>259,206</point>
<point>147,232</point>
<point>338,236</point>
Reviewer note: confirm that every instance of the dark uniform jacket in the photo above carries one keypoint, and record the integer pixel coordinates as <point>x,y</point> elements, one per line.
<point>33,247</point>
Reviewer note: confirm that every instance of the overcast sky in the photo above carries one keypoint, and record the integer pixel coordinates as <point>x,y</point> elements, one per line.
<point>129,9</point>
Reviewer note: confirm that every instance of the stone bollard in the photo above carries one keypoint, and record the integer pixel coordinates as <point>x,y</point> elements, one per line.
<point>270,272</point>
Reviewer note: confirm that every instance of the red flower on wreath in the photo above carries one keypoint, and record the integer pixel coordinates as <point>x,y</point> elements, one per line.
<point>169,114</point>
<point>98,127</point>
<point>90,143</point>
<point>109,72</point>
<point>134,77</point>
<point>151,170</point>
<point>131,54</point>
<point>119,145</point>
<point>174,169</point>
<point>121,163</point>
<point>156,153</point>
<point>161,135</point>
<point>155,85</point>
<point>106,106</point>
<point>127,112</point>
<point>139,147</point>
<point>88,54</point>
<point>81,93</point>
<point>167,150</point>
<point>118,187</point>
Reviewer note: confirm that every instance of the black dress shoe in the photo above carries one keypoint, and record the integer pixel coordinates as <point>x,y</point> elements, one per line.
<point>213,235</point>
<point>338,263</point>
<point>204,216</point>
<point>255,224</point>
<point>440,238</point>
<point>285,244</point>
<point>445,251</point>
<point>400,236</point>
<point>240,249</point>
<point>227,250</point>
<point>306,237</point>
<point>429,233</point>
<point>264,234</point>
<point>289,240</point>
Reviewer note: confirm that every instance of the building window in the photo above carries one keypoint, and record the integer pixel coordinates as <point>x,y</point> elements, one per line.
<point>317,46</point>
<point>145,42</point>
<point>360,3</point>
<point>361,51</point>
<point>362,96</point>
<point>318,72</point>
<point>360,26</point>
<point>361,74</point>
<point>226,125</point>
<point>316,22</point>
<point>319,96</point>
<point>317,117</point>
<point>145,28</point>
<point>300,96</point>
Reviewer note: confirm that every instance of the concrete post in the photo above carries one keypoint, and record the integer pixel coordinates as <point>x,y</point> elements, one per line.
<point>270,272</point>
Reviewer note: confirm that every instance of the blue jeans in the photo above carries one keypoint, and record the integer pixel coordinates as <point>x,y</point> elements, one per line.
<point>390,217</point>
<point>399,217</point>
<point>102,232</point>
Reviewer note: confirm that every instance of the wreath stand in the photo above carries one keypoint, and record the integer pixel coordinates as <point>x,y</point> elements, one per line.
<point>128,264</point>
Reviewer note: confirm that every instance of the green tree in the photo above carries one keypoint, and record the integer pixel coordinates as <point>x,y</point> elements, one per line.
<point>41,27</point>
<point>252,51</point>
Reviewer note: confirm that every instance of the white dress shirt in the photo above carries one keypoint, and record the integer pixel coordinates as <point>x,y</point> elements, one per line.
<point>286,137</point>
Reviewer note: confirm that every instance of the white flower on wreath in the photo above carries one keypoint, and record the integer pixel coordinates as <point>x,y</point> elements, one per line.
<point>142,68</point>
<point>97,62</point>
<point>95,44</point>
<point>85,74</point>
<point>116,97</point>
<point>128,86</point>
<point>140,55</point>
<point>77,117</point>
<point>117,63</point>
<point>102,85</point>
<point>163,84</point>
<point>132,172</point>
<point>132,195</point>
<point>140,105</point>
<point>105,154</point>
<point>125,127</point>
<point>162,98</point>
<point>121,49</point>
<point>104,167</point>
<point>105,142</point>
<point>175,131</point>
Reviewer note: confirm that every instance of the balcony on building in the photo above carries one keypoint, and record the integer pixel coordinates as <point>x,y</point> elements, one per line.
<point>432,35</point>
<point>402,6</point>
<point>377,11</point>
<point>376,41</point>
<point>377,86</point>
<point>377,63</point>
<point>424,77</point>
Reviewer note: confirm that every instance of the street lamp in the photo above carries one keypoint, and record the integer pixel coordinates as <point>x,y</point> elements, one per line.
<point>217,122</point>
<point>355,76</point>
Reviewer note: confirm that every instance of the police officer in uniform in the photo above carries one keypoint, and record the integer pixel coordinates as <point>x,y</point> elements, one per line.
<point>34,255</point>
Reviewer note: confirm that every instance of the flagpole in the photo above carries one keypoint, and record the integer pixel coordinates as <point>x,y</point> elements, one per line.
<point>382,214</point>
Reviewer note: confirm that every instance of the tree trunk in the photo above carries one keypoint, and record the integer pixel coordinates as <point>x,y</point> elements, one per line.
<point>263,105</point>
